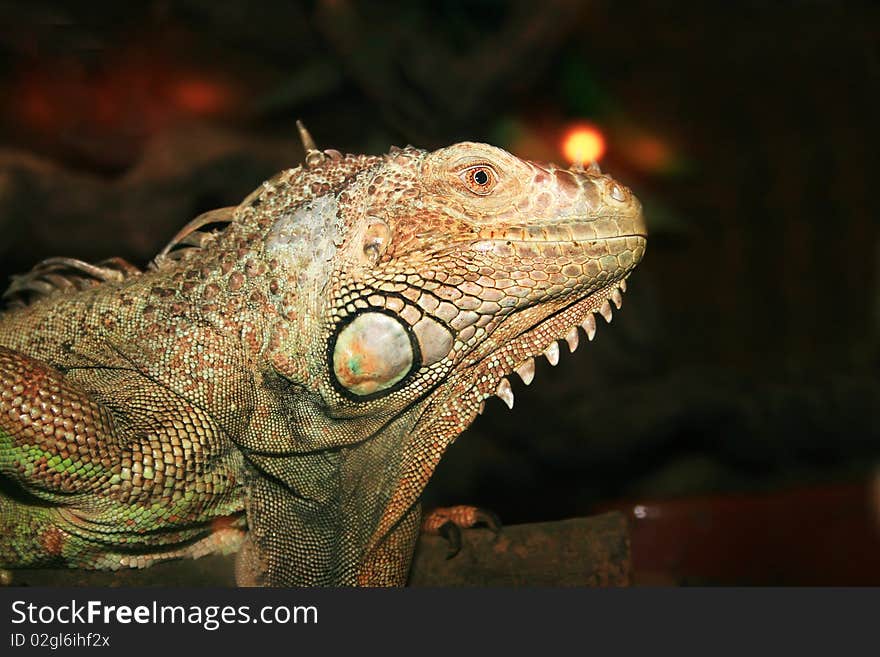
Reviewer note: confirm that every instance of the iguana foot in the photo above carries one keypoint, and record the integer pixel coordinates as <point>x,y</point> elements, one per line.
<point>450,520</point>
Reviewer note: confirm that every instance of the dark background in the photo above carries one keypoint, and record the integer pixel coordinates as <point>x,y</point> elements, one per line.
<point>744,364</point>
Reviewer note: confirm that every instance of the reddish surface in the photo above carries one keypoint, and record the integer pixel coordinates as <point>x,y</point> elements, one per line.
<point>818,536</point>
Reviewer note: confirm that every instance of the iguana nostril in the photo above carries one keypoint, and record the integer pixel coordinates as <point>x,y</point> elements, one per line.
<point>617,192</point>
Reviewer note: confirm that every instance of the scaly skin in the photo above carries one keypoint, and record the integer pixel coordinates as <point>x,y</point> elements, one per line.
<point>287,385</point>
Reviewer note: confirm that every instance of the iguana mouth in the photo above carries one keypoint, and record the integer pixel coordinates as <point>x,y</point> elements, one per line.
<point>517,354</point>
<point>541,335</point>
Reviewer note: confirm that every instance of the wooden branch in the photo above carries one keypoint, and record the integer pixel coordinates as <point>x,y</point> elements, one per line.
<point>579,552</point>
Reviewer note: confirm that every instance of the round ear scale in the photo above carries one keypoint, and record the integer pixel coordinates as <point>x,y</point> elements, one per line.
<point>372,354</point>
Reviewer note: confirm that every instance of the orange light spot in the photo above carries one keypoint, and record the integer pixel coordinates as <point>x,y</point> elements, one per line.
<point>37,108</point>
<point>583,144</point>
<point>200,96</point>
<point>651,153</point>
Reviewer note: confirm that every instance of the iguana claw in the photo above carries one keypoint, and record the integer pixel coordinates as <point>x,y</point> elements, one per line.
<point>449,521</point>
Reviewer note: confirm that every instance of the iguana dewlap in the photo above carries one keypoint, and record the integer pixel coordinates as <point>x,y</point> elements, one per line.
<point>287,384</point>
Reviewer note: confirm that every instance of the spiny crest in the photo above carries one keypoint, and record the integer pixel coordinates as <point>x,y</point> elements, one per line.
<point>69,274</point>
<point>55,275</point>
<point>64,275</point>
<point>190,238</point>
<point>314,157</point>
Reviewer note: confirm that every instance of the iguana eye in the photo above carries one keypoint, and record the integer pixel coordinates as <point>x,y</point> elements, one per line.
<point>371,354</point>
<point>480,179</point>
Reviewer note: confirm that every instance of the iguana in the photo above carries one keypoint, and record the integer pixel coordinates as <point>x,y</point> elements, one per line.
<point>285,375</point>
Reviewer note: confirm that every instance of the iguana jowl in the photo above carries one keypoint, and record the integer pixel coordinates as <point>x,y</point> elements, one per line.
<point>287,384</point>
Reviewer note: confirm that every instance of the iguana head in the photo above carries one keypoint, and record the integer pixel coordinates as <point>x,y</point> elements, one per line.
<point>409,287</point>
